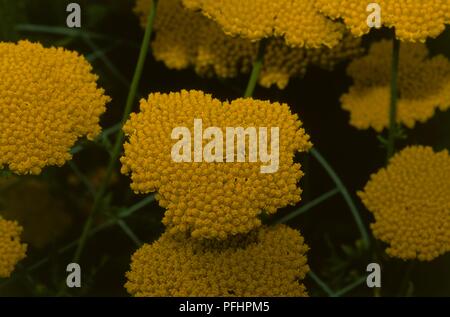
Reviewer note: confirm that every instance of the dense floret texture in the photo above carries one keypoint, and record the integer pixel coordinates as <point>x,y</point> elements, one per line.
<point>410,200</point>
<point>413,20</point>
<point>216,199</point>
<point>267,262</point>
<point>48,99</point>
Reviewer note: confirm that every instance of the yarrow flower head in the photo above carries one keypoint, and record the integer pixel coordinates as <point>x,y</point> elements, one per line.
<point>410,200</point>
<point>221,198</point>
<point>11,250</point>
<point>48,99</point>
<point>297,21</point>
<point>413,20</point>
<point>267,262</point>
<point>29,201</point>
<point>186,38</point>
<point>424,86</point>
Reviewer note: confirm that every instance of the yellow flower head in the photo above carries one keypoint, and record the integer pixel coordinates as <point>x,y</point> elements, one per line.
<point>218,199</point>
<point>270,261</point>
<point>186,38</point>
<point>297,21</point>
<point>413,20</point>
<point>424,86</point>
<point>410,200</point>
<point>48,99</point>
<point>29,201</point>
<point>11,250</point>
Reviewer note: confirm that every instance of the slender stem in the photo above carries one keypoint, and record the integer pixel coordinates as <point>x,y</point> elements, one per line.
<point>130,233</point>
<point>351,286</point>
<point>256,71</point>
<point>110,65</point>
<point>394,99</point>
<point>345,194</point>
<point>309,205</point>
<point>144,202</point>
<point>105,134</point>
<point>120,135</point>
<point>64,31</point>
<point>322,284</point>
<point>122,215</point>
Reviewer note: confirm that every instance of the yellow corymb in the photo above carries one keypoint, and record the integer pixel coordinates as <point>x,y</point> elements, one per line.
<point>186,38</point>
<point>270,261</point>
<point>11,250</point>
<point>424,86</point>
<point>413,20</point>
<point>297,21</point>
<point>410,200</point>
<point>48,99</point>
<point>218,199</point>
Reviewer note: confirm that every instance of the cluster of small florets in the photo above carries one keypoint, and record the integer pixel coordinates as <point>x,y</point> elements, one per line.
<point>11,250</point>
<point>29,201</point>
<point>410,200</point>
<point>413,20</point>
<point>48,99</point>
<point>186,38</point>
<point>211,200</point>
<point>297,21</point>
<point>424,86</point>
<point>267,262</point>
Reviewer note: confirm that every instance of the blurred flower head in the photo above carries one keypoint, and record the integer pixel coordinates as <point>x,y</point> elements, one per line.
<point>211,200</point>
<point>298,22</point>
<point>11,250</point>
<point>424,86</point>
<point>185,38</point>
<point>267,262</point>
<point>413,21</point>
<point>48,99</point>
<point>43,216</point>
<point>410,200</point>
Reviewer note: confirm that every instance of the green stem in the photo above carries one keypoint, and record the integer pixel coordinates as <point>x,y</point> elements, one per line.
<point>105,134</point>
<point>64,31</point>
<point>309,205</point>
<point>122,215</point>
<point>108,63</point>
<point>345,194</point>
<point>351,287</point>
<point>256,70</point>
<point>120,135</point>
<point>130,233</point>
<point>322,284</point>
<point>394,98</point>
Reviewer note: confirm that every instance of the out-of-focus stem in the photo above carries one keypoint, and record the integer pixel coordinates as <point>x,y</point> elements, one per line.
<point>394,99</point>
<point>120,135</point>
